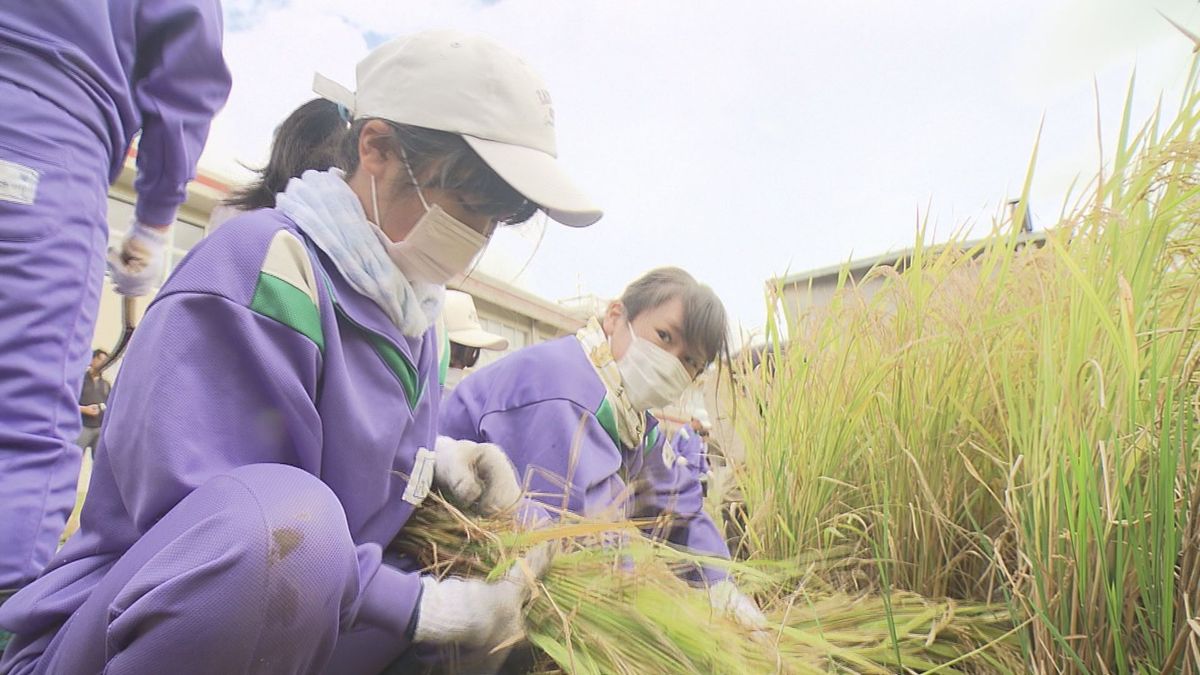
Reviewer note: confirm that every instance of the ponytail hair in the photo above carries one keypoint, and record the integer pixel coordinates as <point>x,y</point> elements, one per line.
<point>310,138</point>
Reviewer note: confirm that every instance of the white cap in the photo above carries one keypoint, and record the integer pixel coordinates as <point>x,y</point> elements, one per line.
<point>463,327</point>
<point>471,86</point>
<point>701,416</point>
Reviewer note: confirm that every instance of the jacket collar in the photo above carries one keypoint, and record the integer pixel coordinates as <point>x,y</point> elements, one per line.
<point>363,310</point>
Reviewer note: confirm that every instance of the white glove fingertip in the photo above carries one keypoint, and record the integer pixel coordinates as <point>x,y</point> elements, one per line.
<point>503,489</point>
<point>539,559</point>
<point>137,265</point>
<point>467,490</point>
<point>499,498</point>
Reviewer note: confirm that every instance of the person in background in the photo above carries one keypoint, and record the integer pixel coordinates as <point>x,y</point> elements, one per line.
<point>572,414</point>
<point>78,80</point>
<point>271,428</point>
<point>466,336</point>
<point>93,400</point>
<point>691,452</point>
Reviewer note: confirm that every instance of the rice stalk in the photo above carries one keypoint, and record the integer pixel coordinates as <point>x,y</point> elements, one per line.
<point>614,602</point>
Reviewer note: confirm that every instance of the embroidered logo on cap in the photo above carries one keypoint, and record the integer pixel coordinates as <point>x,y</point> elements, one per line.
<point>544,98</point>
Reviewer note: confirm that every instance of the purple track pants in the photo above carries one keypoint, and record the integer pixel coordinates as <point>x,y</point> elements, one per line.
<point>51,269</point>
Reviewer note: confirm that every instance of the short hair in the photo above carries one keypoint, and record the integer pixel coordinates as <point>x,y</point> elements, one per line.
<point>705,324</point>
<point>98,352</point>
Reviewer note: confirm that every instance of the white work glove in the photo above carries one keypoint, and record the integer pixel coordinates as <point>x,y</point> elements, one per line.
<point>474,476</point>
<point>474,614</point>
<point>726,599</point>
<point>137,265</point>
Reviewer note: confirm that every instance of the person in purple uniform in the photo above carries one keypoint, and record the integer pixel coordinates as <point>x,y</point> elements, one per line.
<point>691,455</point>
<point>78,79</point>
<point>274,424</point>
<point>572,414</point>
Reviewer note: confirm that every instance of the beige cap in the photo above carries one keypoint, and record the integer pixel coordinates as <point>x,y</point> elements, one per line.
<point>462,324</point>
<point>471,86</point>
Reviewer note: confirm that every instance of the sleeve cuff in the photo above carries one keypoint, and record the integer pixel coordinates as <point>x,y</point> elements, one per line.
<point>150,212</point>
<point>390,600</point>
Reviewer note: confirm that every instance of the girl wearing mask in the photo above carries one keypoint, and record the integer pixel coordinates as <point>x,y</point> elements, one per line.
<point>572,414</point>
<point>274,424</point>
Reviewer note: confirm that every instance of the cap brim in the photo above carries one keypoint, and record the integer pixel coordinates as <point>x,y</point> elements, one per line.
<point>480,339</point>
<point>539,178</point>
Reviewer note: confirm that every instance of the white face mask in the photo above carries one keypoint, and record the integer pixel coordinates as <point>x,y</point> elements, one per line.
<point>652,376</point>
<point>438,247</point>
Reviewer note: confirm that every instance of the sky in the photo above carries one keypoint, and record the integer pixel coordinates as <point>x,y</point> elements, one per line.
<point>748,140</point>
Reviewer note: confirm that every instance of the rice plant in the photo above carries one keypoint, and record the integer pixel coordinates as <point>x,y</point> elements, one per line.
<point>613,603</point>
<point>1009,421</point>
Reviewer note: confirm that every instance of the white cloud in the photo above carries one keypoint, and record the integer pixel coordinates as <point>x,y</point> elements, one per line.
<point>272,66</point>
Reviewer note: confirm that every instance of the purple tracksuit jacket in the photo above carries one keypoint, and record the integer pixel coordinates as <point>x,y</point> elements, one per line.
<point>546,407</point>
<point>250,469</point>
